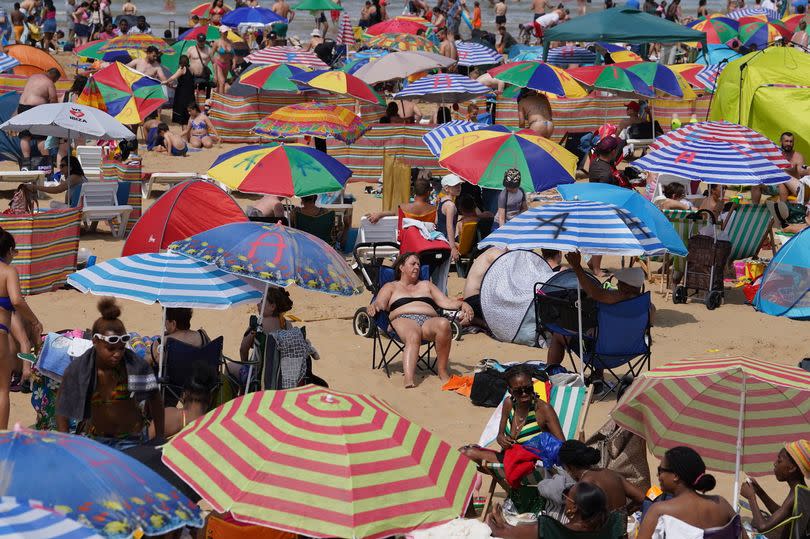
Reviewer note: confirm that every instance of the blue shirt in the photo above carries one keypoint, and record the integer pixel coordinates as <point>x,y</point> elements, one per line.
<point>633,4</point>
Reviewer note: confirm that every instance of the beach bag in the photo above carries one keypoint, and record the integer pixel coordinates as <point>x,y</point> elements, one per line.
<point>546,447</point>
<point>488,388</point>
<point>22,203</point>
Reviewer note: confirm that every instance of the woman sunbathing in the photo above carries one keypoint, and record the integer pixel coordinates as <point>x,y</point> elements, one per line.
<point>413,307</point>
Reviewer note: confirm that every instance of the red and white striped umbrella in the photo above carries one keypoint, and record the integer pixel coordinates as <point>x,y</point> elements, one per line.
<point>286,55</point>
<point>345,34</point>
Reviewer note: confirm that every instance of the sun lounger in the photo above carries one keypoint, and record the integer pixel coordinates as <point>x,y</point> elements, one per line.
<point>746,227</point>
<point>90,160</point>
<point>21,176</point>
<point>167,178</point>
<point>99,202</point>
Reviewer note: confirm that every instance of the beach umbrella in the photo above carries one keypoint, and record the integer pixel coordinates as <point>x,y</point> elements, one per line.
<point>713,161</point>
<point>482,157</point>
<point>632,201</point>
<point>340,82</point>
<point>524,53</point>
<point>760,34</point>
<point>433,139</point>
<point>136,42</point>
<point>99,487</point>
<point>353,65</point>
<point>402,42</point>
<point>91,50</point>
<point>395,26</point>
<point>274,254</point>
<point>321,120</point>
<point>443,88</point>
<point>7,63</point>
<point>718,30</point>
<point>791,22</point>
<point>251,16</point>
<point>612,78</point>
<point>570,54</point>
<point>738,412</point>
<point>33,60</point>
<point>324,463</point>
<point>618,53</point>
<point>66,120</point>
<point>700,77</point>
<point>471,53</point>
<point>204,10</point>
<point>20,518</point>
<point>317,5</point>
<point>172,61</point>
<point>539,76</point>
<point>759,12</point>
<point>210,32</point>
<point>273,77</point>
<point>345,34</point>
<point>286,55</point>
<point>661,78</point>
<point>123,93</point>
<point>784,289</point>
<point>283,170</point>
<point>717,54</point>
<point>399,65</point>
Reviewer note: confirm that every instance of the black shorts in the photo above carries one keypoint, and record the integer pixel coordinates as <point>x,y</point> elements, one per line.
<point>475,303</point>
<point>22,108</point>
<point>500,19</point>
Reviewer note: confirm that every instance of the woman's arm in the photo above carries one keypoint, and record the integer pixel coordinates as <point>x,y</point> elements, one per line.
<point>246,345</point>
<point>447,303</point>
<point>18,300</point>
<point>212,131</point>
<point>779,513</point>
<point>177,74</point>
<point>551,423</point>
<point>500,217</point>
<point>633,493</point>
<point>449,210</point>
<point>503,440</point>
<point>650,521</point>
<point>381,301</point>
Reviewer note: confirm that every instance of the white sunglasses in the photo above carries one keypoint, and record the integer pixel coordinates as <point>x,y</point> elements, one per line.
<point>113,339</point>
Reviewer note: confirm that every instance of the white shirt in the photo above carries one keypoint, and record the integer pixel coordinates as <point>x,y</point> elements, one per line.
<point>549,19</point>
<point>768,4</point>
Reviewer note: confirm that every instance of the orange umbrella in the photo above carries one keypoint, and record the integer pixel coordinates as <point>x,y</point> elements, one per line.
<point>32,60</point>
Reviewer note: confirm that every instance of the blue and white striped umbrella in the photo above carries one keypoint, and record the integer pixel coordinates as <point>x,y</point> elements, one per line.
<point>594,228</point>
<point>570,54</point>
<point>738,14</point>
<point>708,75</point>
<point>169,279</point>
<point>7,63</point>
<point>433,138</point>
<point>713,161</point>
<point>19,519</point>
<point>443,88</point>
<point>471,54</point>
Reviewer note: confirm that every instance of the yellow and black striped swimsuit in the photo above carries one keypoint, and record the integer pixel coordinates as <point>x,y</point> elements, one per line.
<point>528,431</point>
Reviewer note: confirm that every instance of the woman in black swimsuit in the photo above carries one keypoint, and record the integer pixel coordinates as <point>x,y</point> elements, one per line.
<point>413,307</point>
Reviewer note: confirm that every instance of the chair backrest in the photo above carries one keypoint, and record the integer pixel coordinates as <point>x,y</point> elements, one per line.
<point>549,528</point>
<point>321,226</point>
<point>666,179</point>
<point>384,230</point>
<point>216,528</point>
<point>384,276</point>
<point>180,359</point>
<point>746,228</point>
<point>622,330</point>
<point>467,237</point>
<point>99,194</point>
<point>90,159</point>
<point>271,365</point>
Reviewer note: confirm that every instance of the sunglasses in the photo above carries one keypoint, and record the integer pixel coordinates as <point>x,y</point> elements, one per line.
<point>661,470</point>
<point>114,339</point>
<point>525,390</point>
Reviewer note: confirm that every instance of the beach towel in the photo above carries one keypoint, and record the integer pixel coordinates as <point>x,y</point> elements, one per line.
<point>518,462</point>
<point>671,528</point>
<point>460,384</point>
<point>58,352</point>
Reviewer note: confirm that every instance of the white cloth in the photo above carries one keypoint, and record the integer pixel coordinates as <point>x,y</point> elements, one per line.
<point>459,528</point>
<point>671,528</point>
<point>428,230</point>
<point>78,347</point>
<point>768,4</point>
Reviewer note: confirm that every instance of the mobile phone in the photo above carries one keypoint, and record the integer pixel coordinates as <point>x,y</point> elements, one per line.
<point>253,324</point>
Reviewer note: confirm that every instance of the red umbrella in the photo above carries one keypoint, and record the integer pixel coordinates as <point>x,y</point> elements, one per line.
<point>395,26</point>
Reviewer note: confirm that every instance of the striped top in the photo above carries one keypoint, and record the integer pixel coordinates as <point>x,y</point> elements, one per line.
<point>529,430</point>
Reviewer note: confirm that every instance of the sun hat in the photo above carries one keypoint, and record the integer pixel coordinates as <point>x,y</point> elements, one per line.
<point>630,276</point>
<point>799,451</point>
<point>450,180</point>
<point>315,33</point>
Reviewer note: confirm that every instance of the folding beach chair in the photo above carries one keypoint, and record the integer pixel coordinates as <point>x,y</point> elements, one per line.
<point>799,521</point>
<point>747,227</point>
<point>550,528</point>
<point>179,361</point>
<point>467,239</point>
<point>321,226</point>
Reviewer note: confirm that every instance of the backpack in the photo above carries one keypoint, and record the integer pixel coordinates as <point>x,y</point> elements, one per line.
<point>23,202</point>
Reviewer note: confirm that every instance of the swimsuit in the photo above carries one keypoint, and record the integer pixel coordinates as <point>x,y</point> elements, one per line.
<point>199,125</point>
<point>420,319</point>
<point>5,304</point>
<point>179,153</point>
<point>529,430</point>
<point>404,301</point>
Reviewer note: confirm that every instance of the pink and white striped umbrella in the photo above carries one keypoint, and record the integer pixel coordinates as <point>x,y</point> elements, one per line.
<point>286,55</point>
<point>345,34</point>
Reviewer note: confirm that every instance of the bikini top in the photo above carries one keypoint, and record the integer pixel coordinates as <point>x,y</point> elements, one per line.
<point>404,301</point>
<point>198,125</point>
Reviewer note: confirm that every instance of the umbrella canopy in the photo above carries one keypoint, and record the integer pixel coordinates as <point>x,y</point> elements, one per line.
<point>632,201</point>
<point>210,32</point>
<point>399,65</point>
<point>64,120</point>
<point>283,170</point>
<point>315,119</point>
<point>123,93</point>
<point>471,53</point>
<point>791,22</point>
<point>720,162</point>
<point>273,77</point>
<point>286,55</point>
<point>570,54</point>
<point>19,518</point>
<point>718,30</point>
<point>443,88</point>
<point>395,26</point>
<point>661,78</point>
<point>166,278</point>
<point>345,34</point>
<point>433,139</point>
<point>251,16</point>
<point>785,286</point>
<point>700,77</point>
<point>618,53</point>
<point>33,60</point>
<point>539,76</point>
<point>402,42</point>
<point>595,228</point>
<point>7,63</point>
<point>103,488</point>
<point>768,14</point>
<point>482,157</point>
<point>760,34</point>
<point>317,5</point>
<point>612,78</point>
<point>204,10</point>
<point>136,42</point>
<point>91,50</point>
<point>340,82</point>
<point>172,61</point>
<point>737,412</point>
<point>274,254</point>
<point>323,463</point>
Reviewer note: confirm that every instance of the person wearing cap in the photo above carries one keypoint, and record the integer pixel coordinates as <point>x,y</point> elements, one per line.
<point>447,214</point>
<point>791,466</point>
<point>316,38</point>
<point>633,117</point>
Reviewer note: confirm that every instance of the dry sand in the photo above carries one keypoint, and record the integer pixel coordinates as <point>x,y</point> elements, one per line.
<point>680,331</point>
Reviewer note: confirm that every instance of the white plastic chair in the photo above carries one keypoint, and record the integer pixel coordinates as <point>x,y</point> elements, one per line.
<point>100,203</point>
<point>90,160</point>
<point>384,230</point>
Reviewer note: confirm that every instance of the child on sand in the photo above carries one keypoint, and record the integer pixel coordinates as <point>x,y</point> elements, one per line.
<point>172,143</point>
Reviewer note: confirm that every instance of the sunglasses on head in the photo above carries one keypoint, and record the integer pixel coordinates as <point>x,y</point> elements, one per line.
<point>524,390</point>
<point>114,339</point>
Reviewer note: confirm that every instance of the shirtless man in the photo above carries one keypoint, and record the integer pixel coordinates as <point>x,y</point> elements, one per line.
<point>447,46</point>
<point>472,286</point>
<point>39,89</point>
<point>150,65</point>
<point>282,9</point>
<point>198,56</point>
<point>539,7</point>
<point>534,112</point>
<point>798,169</point>
<point>410,112</point>
<point>28,7</point>
<point>267,206</point>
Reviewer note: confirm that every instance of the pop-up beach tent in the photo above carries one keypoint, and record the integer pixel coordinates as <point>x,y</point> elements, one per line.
<point>621,25</point>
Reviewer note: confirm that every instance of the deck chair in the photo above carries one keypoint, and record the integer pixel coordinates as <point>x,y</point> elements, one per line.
<point>550,528</point>
<point>90,159</point>
<point>746,227</point>
<point>799,521</point>
<point>179,360</point>
<point>322,226</point>
<point>99,202</point>
<point>467,239</point>
<point>166,178</point>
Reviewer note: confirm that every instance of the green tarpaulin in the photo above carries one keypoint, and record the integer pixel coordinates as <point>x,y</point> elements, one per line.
<point>622,25</point>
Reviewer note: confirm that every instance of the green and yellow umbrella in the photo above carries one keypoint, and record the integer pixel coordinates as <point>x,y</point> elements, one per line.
<point>321,463</point>
<point>539,76</point>
<point>316,119</point>
<point>402,42</point>
<point>273,77</point>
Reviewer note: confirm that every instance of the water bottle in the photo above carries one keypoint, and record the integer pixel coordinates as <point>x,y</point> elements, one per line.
<point>676,122</point>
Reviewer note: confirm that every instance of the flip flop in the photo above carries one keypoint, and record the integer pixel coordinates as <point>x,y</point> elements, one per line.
<point>31,358</point>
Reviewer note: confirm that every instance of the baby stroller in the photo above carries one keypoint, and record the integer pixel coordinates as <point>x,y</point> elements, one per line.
<point>375,274</point>
<point>704,266</point>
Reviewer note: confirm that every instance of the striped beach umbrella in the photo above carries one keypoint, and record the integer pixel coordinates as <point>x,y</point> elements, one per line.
<point>340,82</point>
<point>321,463</point>
<point>286,55</point>
<point>283,170</point>
<point>19,518</point>
<point>759,12</point>
<point>612,78</point>
<point>136,42</point>
<point>539,76</point>
<point>433,139</point>
<point>570,54</point>
<point>273,77</point>
<point>471,54</point>
<point>699,76</point>
<point>315,119</point>
<point>402,42</point>
<point>166,278</point>
<point>760,34</point>
<point>125,94</point>
<point>713,161</point>
<point>345,35</point>
<point>738,412</point>
<point>7,63</point>
<point>718,30</point>
<point>443,88</point>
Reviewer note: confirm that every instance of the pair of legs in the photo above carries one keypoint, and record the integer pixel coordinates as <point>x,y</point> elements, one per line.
<point>221,70</point>
<point>200,141</point>
<point>787,189</point>
<point>412,333</point>
<point>595,264</point>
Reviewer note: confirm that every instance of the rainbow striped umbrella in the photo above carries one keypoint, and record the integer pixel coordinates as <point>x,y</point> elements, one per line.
<point>539,76</point>
<point>283,170</point>
<point>340,82</point>
<point>286,55</point>
<point>316,119</point>
<point>760,34</point>
<point>210,32</point>
<point>482,157</point>
<point>718,30</point>
<point>136,42</point>
<point>123,93</point>
<point>273,77</point>
<point>321,463</point>
<point>661,78</point>
<point>699,76</point>
<point>612,78</point>
<point>402,42</point>
<point>737,412</point>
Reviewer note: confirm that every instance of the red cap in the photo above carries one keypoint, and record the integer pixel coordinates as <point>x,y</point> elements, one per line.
<point>633,105</point>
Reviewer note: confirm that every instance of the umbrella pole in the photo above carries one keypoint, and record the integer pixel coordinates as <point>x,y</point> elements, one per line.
<point>581,339</point>
<point>738,463</point>
<point>162,345</point>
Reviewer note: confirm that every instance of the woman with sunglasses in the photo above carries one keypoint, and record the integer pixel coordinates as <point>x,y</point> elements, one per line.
<point>691,512</point>
<point>103,389</point>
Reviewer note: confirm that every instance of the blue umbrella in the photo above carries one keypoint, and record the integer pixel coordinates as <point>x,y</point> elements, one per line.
<point>433,138</point>
<point>19,518</point>
<point>443,88</point>
<point>274,254</point>
<point>785,286</point>
<point>570,54</point>
<point>716,54</point>
<point>97,486</point>
<point>632,201</point>
<point>257,16</point>
<point>7,63</point>
<point>522,53</point>
<point>713,161</point>
<point>471,53</point>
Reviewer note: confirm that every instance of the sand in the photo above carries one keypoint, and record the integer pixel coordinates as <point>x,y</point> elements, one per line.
<point>680,331</point>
